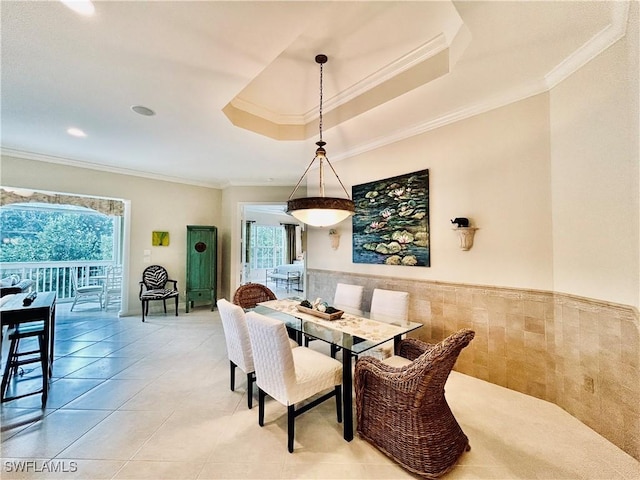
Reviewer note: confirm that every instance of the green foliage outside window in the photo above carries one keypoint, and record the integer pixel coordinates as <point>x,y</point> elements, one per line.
<point>31,234</point>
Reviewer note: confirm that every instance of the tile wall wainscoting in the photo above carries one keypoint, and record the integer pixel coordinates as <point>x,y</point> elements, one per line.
<point>579,353</point>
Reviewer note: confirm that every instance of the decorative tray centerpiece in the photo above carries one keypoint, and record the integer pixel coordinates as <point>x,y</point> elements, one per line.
<point>320,309</point>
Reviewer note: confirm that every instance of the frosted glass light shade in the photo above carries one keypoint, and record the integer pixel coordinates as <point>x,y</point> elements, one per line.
<point>320,211</point>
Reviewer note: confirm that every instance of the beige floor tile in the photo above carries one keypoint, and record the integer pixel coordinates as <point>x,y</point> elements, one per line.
<point>241,471</point>
<point>118,437</point>
<point>153,470</point>
<point>328,471</point>
<point>46,439</point>
<point>109,395</point>
<point>188,435</point>
<point>14,420</point>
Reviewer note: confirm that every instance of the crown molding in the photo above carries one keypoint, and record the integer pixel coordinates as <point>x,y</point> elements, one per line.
<point>597,44</point>
<point>580,57</point>
<point>395,68</point>
<point>266,114</point>
<point>102,168</point>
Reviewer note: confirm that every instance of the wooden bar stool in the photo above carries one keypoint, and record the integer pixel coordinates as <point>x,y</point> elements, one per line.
<point>17,359</point>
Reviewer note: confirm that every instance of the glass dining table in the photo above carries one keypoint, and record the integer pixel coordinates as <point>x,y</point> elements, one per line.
<point>353,334</point>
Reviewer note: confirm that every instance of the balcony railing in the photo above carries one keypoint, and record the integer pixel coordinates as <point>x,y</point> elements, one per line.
<point>56,276</point>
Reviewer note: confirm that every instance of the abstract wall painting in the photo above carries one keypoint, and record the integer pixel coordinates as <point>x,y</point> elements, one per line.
<point>391,221</point>
<point>160,239</point>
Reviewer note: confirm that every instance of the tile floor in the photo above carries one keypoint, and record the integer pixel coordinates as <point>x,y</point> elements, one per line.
<point>152,400</point>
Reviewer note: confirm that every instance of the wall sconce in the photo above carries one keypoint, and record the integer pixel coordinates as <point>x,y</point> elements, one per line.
<point>334,237</point>
<point>465,232</point>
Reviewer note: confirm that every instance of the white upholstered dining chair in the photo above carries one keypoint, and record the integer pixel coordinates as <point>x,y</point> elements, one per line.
<point>239,350</point>
<point>388,306</point>
<point>349,298</point>
<point>290,375</point>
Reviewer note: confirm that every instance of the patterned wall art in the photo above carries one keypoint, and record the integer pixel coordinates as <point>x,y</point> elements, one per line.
<point>391,221</point>
<point>160,239</point>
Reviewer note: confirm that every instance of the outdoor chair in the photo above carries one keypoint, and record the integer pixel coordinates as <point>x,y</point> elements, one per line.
<point>113,286</point>
<point>250,294</point>
<point>403,411</point>
<point>154,287</point>
<point>239,351</point>
<point>85,293</point>
<point>290,375</point>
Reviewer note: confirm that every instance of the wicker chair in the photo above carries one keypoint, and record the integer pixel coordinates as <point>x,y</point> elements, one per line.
<point>250,294</point>
<point>403,410</point>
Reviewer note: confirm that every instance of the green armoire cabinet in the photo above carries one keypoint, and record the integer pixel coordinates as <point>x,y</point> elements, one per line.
<point>202,265</point>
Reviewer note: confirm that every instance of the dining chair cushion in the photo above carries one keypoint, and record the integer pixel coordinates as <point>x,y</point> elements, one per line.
<point>158,294</point>
<point>396,361</point>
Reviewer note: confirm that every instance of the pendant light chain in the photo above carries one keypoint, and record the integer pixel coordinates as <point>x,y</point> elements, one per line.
<point>320,120</point>
<point>320,211</point>
<point>320,143</point>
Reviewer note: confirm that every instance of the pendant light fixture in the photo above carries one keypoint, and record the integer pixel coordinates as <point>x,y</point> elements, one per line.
<point>320,211</point>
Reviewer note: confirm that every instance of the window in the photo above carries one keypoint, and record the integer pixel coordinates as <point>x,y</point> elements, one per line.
<point>268,246</point>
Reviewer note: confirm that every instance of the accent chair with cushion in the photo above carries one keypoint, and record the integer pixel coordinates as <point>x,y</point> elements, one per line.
<point>154,287</point>
<point>288,375</point>
<point>403,410</point>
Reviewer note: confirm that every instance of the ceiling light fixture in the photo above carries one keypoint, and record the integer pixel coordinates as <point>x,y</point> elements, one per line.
<point>82,7</point>
<point>76,132</point>
<point>320,211</point>
<point>142,110</point>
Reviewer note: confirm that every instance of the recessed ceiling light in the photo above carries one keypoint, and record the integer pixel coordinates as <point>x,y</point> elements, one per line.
<point>141,110</point>
<point>76,132</point>
<point>82,7</point>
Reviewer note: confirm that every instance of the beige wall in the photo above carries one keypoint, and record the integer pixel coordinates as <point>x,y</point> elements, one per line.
<point>493,168</point>
<point>155,205</point>
<point>594,155</point>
